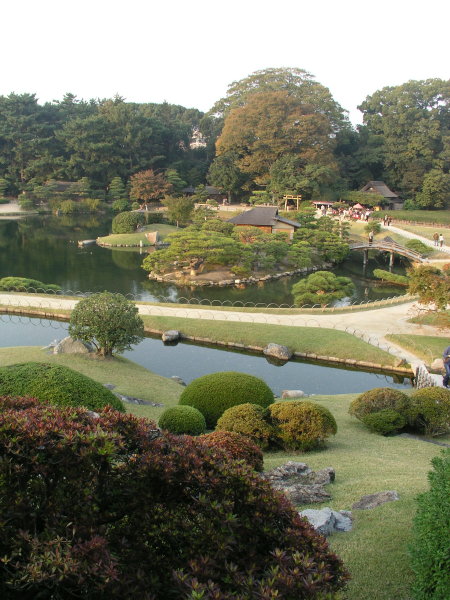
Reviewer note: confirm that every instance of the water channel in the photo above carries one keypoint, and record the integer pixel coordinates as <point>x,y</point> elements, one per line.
<point>45,248</point>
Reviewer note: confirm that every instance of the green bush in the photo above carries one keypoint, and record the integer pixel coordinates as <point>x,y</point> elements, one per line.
<point>385,421</point>
<point>23,284</point>
<point>430,549</point>
<point>127,222</point>
<point>419,247</point>
<point>429,411</point>
<point>213,394</point>
<point>248,420</point>
<point>69,207</point>
<point>135,206</point>
<point>391,277</point>
<point>183,419</point>
<point>378,399</point>
<point>236,446</point>
<point>90,205</point>
<point>121,205</point>
<point>301,425</point>
<point>55,384</point>
<point>153,217</point>
<point>105,508</point>
<point>4,200</point>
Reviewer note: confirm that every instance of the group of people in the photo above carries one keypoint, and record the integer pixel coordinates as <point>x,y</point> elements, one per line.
<point>387,220</point>
<point>438,239</point>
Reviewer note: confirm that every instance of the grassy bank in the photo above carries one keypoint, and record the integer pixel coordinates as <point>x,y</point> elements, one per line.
<point>135,239</point>
<point>426,347</point>
<point>441,217</point>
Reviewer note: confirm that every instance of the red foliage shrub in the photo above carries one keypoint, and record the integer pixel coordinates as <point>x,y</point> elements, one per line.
<point>106,507</point>
<point>237,446</point>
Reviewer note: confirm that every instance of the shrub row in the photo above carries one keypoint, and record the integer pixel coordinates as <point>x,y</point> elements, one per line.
<point>385,410</point>
<point>23,284</point>
<point>291,425</point>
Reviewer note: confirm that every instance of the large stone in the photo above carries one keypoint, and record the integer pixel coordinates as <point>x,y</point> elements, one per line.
<point>289,394</point>
<point>170,336</point>
<point>326,520</point>
<point>277,351</point>
<point>437,365</point>
<point>70,346</point>
<point>178,380</point>
<point>300,483</point>
<point>374,500</point>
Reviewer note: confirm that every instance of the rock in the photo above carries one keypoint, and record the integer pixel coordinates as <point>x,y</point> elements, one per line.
<point>51,345</point>
<point>437,365</point>
<point>326,520</point>
<point>278,351</point>
<point>70,346</point>
<point>373,500</point>
<point>178,379</point>
<point>300,483</point>
<point>133,400</point>
<point>170,336</point>
<point>109,386</point>
<point>292,394</point>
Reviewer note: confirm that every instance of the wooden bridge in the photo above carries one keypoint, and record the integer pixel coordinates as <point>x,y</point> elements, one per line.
<point>386,245</point>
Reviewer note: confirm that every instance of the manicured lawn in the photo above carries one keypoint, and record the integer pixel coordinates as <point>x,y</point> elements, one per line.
<point>128,377</point>
<point>134,239</point>
<point>436,319</point>
<point>426,232</point>
<point>426,347</point>
<point>376,551</point>
<point>419,216</point>
<point>315,340</point>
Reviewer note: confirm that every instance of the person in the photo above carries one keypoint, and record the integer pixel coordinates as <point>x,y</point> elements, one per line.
<point>385,220</point>
<point>436,238</point>
<point>441,240</point>
<point>370,237</point>
<point>446,359</point>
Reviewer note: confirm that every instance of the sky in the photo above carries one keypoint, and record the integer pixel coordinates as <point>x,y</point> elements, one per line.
<point>188,52</point>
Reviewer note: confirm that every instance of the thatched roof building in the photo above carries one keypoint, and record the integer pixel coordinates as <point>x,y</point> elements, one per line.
<point>266,218</point>
<point>392,200</point>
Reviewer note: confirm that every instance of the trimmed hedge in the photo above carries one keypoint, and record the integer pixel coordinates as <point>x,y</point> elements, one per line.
<point>385,421</point>
<point>55,384</point>
<point>429,411</point>
<point>24,284</point>
<point>236,446</point>
<point>248,420</point>
<point>183,420</point>
<point>301,425</point>
<point>430,550</point>
<point>213,394</point>
<point>127,222</point>
<point>379,399</point>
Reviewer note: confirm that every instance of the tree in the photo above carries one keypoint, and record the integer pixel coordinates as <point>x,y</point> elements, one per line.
<point>175,180</point>
<point>435,192</point>
<point>179,210</point>
<point>193,249</point>
<point>225,174</point>
<point>148,185</point>
<point>117,190</point>
<point>108,321</point>
<point>412,120</point>
<point>127,222</point>
<point>322,287</point>
<point>431,285</point>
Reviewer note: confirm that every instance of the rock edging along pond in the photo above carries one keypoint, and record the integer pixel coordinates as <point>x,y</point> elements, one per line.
<point>316,358</point>
<point>242,281</point>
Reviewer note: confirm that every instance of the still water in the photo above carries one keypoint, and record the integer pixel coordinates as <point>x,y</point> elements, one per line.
<point>45,248</point>
<point>189,361</point>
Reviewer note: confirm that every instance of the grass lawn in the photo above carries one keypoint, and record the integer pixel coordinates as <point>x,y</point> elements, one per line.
<point>427,347</point>
<point>315,340</point>
<point>134,239</point>
<point>424,231</point>
<point>436,319</point>
<point>419,216</point>
<point>128,377</point>
<point>376,551</point>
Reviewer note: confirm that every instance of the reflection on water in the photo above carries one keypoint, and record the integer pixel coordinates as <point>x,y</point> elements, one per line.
<point>189,361</point>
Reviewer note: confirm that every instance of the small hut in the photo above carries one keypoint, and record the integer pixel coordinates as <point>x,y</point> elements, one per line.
<point>391,200</point>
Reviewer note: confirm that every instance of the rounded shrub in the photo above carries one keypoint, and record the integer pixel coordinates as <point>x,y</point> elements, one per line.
<point>385,421</point>
<point>429,411</point>
<point>121,205</point>
<point>183,419</point>
<point>213,394</point>
<point>55,384</point>
<point>379,399</point>
<point>161,510</point>
<point>248,420</point>
<point>27,285</point>
<point>301,425</point>
<point>236,446</point>
<point>127,222</point>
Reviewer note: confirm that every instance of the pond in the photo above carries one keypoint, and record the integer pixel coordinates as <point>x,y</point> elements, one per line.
<point>45,248</point>
<point>189,361</point>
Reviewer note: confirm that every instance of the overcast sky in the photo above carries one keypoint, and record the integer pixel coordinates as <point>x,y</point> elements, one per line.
<point>188,52</point>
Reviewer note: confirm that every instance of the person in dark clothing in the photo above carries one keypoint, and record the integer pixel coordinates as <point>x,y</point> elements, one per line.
<point>446,358</point>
